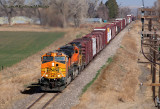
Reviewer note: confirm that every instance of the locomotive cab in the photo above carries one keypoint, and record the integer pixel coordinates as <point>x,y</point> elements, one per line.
<point>53,65</point>
<point>53,71</point>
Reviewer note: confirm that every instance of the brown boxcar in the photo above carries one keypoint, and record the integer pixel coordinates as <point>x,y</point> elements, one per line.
<point>129,19</point>
<point>112,26</point>
<point>118,26</point>
<point>94,43</point>
<point>89,47</point>
<point>101,33</point>
<point>123,22</point>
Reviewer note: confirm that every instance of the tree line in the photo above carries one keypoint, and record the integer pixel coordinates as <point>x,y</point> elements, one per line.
<point>63,12</point>
<point>157,7</point>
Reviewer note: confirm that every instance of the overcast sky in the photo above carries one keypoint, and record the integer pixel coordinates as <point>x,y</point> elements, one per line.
<point>134,3</point>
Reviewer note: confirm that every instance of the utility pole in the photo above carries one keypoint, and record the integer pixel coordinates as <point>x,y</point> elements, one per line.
<point>150,42</point>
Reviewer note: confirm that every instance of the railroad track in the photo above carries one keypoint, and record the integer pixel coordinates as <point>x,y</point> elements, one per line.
<point>43,101</point>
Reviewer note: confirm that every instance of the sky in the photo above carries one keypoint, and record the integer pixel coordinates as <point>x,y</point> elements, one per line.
<point>134,3</point>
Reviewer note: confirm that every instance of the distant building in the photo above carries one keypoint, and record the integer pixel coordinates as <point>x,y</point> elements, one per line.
<point>93,20</point>
<point>3,20</point>
<point>19,20</point>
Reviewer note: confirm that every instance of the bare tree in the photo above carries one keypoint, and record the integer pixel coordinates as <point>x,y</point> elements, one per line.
<point>7,6</point>
<point>38,10</point>
<point>92,4</point>
<point>157,7</point>
<point>78,11</point>
<point>51,17</point>
<point>64,11</point>
<point>62,8</point>
<point>102,11</point>
<point>91,10</point>
<point>59,13</point>
<point>124,11</point>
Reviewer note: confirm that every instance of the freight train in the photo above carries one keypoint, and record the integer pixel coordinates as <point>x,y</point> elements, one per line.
<point>61,66</point>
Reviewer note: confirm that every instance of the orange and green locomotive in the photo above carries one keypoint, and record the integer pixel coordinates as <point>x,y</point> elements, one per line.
<point>60,67</point>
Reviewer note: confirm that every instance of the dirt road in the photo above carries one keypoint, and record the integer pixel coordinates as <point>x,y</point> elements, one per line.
<point>118,86</point>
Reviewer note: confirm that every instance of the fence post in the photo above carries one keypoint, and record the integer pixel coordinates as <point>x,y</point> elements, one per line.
<point>2,67</point>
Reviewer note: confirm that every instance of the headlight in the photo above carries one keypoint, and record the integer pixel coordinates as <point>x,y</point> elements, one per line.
<point>52,64</point>
<point>46,75</point>
<point>59,75</point>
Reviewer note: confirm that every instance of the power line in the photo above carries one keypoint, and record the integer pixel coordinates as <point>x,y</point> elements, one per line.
<point>143,3</point>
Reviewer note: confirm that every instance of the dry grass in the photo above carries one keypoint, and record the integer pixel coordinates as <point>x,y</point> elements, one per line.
<point>117,86</point>
<point>37,28</point>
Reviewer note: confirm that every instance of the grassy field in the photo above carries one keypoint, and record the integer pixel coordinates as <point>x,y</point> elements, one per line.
<point>15,46</point>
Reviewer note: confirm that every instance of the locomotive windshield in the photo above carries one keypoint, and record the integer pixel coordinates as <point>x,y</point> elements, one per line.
<point>60,59</point>
<point>47,59</point>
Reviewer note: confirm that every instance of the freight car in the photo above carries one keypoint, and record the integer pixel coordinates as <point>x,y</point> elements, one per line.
<point>61,66</point>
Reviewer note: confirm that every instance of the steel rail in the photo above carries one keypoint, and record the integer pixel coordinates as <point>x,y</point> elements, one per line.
<point>36,101</point>
<point>46,104</point>
<point>50,101</point>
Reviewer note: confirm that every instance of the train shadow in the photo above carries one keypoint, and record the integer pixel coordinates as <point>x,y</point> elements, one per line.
<point>32,89</point>
<point>35,88</point>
